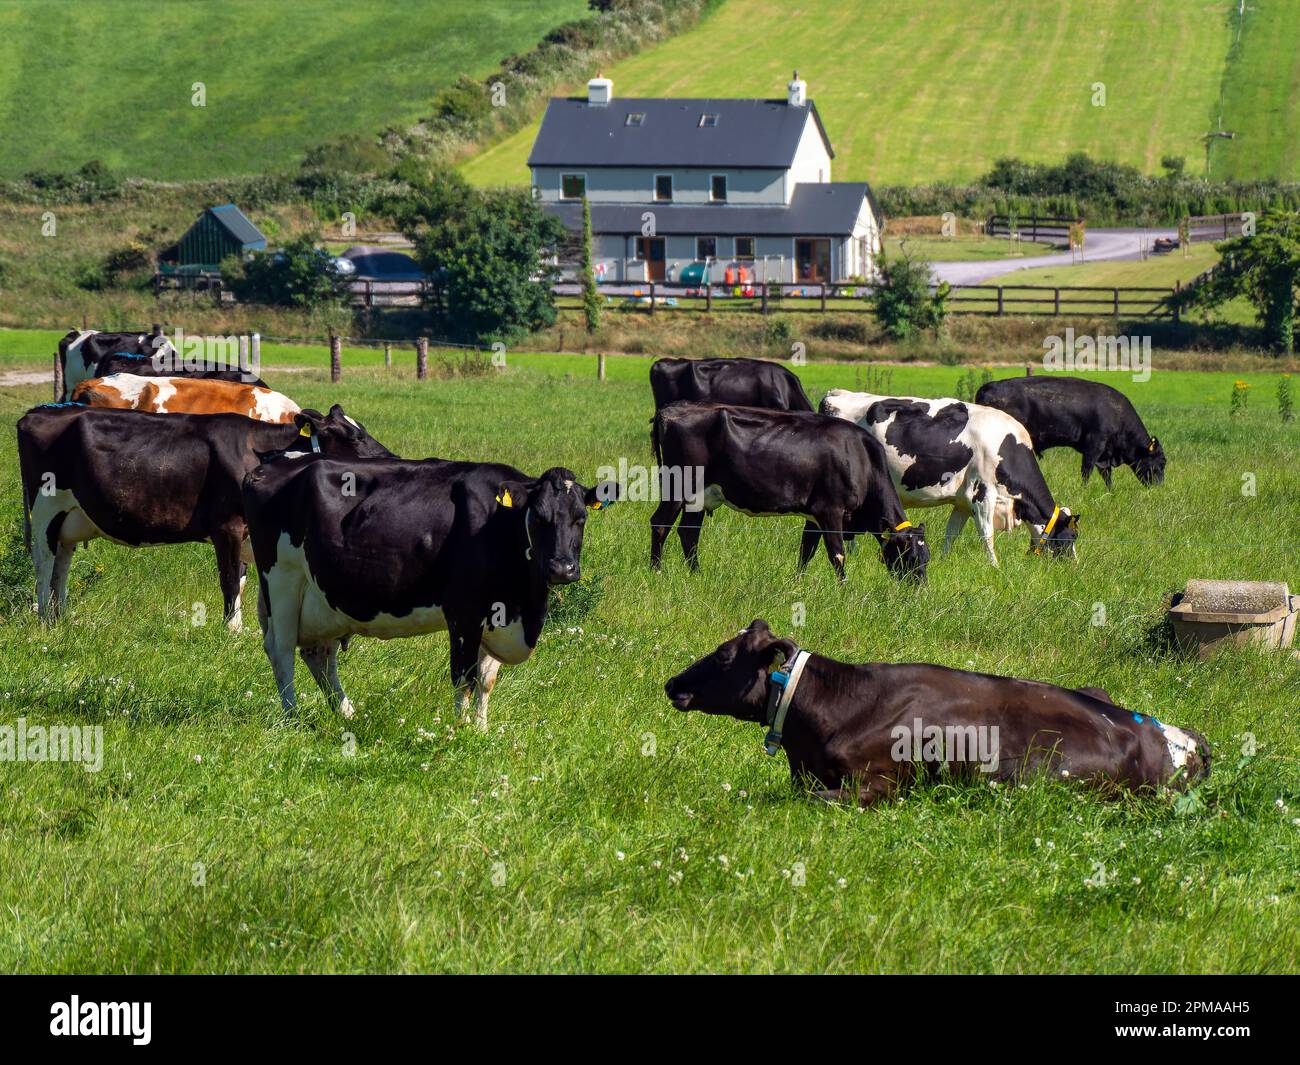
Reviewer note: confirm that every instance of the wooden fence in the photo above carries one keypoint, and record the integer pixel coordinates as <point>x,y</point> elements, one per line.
<point>1201,229</point>
<point>1044,300</point>
<point>1047,229</point>
<point>362,292</point>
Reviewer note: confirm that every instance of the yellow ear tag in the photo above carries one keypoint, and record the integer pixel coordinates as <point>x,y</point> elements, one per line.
<point>305,431</point>
<point>504,498</point>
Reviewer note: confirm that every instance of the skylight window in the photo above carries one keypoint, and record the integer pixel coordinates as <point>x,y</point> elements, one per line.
<point>708,120</point>
<point>635,118</point>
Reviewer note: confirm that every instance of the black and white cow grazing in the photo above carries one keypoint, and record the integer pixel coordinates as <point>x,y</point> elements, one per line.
<point>979,460</point>
<point>766,462</point>
<point>88,353</point>
<point>139,479</point>
<point>738,382</point>
<point>865,732</point>
<point>389,548</point>
<point>1094,419</point>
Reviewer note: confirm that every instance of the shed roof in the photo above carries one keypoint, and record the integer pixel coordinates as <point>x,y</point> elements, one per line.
<point>236,223</point>
<point>816,210</point>
<point>763,133</point>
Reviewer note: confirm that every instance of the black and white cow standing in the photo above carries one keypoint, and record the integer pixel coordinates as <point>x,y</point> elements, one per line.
<point>739,382</point>
<point>1094,419</point>
<point>89,353</point>
<point>978,460</point>
<point>390,548</point>
<point>143,479</point>
<point>768,462</point>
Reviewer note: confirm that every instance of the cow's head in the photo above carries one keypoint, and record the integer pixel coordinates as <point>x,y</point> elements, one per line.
<point>904,551</point>
<point>553,510</point>
<point>733,679</point>
<point>1150,464</point>
<point>338,436</point>
<point>1059,536</point>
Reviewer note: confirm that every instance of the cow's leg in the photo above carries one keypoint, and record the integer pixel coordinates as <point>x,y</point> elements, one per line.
<point>59,576</point>
<point>466,649</point>
<point>227,541</point>
<point>46,547</point>
<point>323,661</point>
<point>688,531</point>
<point>956,522</point>
<point>808,543</point>
<point>1089,461</point>
<point>832,530</point>
<point>984,511</point>
<point>660,526</point>
<point>487,678</point>
<point>1105,476</point>
<point>281,634</point>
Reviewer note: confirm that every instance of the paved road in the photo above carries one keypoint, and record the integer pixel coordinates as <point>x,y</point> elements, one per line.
<point>1100,245</point>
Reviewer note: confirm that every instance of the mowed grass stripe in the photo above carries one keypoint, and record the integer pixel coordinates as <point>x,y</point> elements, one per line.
<point>280,78</point>
<point>939,92</point>
<point>596,828</point>
<point>1260,92</point>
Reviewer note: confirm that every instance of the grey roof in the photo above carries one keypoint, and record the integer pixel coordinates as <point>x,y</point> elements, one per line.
<point>236,223</point>
<point>378,263</point>
<point>749,133</point>
<point>828,209</point>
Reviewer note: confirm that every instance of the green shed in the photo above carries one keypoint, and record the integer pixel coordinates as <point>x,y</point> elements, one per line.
<point>219,232</point>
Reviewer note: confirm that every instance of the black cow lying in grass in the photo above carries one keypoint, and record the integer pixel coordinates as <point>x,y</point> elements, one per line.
<point>865,732</point>
<point>739,382</point>
<point>390,548</point>
<point>141,479</point>
<point>88,353</point>
<point>1094,419</point>
<point>767,462</point>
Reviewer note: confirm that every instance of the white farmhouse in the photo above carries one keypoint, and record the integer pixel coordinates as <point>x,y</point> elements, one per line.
<point>678,186</point>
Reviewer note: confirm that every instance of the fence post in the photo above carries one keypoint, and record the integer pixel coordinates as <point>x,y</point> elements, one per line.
<point>1029,369</point>
<point>600,366</point>
<point>1116,303</point>
<point>652,297</point>
<point>421,357</point>
<point>1056,306</point>
<point>765,291</point>
<point>58,377</point>
<point>388,355</point>
<point>336,357</point>
<point>1178,287</point>
<point>823,297</point>
<point>708,296</point>
<point>1000,301</point>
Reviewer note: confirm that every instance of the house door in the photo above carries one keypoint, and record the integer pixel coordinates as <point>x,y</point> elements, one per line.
<point>812,260</point>
<point>652,252</point>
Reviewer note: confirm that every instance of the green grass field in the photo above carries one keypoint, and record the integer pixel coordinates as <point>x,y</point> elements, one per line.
<point>937,92</point>
<point>594,828</point>
<point>112,79</point>
<point>1260,87</point>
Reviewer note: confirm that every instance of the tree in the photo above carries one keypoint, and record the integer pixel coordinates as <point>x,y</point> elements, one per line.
<point>902,302</point>
<point>488,255</point>
<point>1265,269</point>
<point>590,293</point>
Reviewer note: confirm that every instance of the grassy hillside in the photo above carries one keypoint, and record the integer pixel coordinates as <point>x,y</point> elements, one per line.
<point>921,93</point>
<point>1261,89</point>
<point>597,828</point>
<point>111,79</point>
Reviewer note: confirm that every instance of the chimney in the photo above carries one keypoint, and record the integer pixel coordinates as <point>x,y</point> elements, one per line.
<point>599,91</point>
<point>798,91</point>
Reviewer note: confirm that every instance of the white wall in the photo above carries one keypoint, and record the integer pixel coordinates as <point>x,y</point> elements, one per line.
<point>690,185</point>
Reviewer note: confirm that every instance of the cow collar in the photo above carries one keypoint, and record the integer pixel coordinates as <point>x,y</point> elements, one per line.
<point>315,441</point>
<point>1047,530</point>
<point>779,697</point>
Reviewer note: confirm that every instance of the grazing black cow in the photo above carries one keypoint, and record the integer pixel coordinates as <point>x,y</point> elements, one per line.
<point>977,459</point>
<point>865,732</point>
<point>389,548</point>
<point>738,382</point>
<point>1094,419</point>
<point>139,478</point>
<point>88,353</point>
<point>766,462</point>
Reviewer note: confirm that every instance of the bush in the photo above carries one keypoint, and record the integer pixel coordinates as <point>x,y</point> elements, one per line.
<point>298,275</point>
<point>902,302</point>
<point>350,154</point>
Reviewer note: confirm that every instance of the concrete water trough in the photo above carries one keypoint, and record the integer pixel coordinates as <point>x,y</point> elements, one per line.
<point>1208,615</point>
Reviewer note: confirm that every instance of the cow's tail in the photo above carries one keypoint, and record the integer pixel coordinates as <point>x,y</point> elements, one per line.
<point>656,444</point>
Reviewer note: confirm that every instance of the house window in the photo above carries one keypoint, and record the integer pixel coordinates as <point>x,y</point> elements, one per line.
<point>706,247</point>
<point>664,187</point>
<point>744,247</point>
<point>635,118</point>
<point>718,188</point>
<point>573,186</point>
<point>708,120</point>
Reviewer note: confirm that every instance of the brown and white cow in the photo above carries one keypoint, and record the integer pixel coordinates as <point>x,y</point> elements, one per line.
<point>186,395</point>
